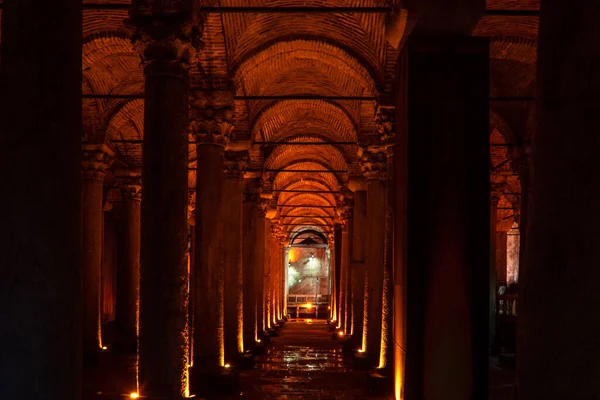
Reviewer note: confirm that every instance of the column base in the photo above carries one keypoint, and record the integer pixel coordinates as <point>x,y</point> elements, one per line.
<point>259,349</point>
<point>272,332</point>
<point>264,338</point>
<point>350,346</point>
<point>245,360</point>
<point>126,346</point>
<point>281,323</point>
<point>380,383</point>
<point>360,361</point>
<point>217,382</point>
<point>91,358</point>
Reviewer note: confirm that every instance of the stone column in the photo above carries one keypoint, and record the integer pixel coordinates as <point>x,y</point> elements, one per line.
<point>347,217</point>
<point>128,297</point>
<point>265,269</point>
<point>501,257</point>
<point>558,280</point>
<point>358,266</point>
<point>385,122</point>
<point>40,171</point>
<point>494,198</point>
<point>444,124</point>
<point>261,257</point>
<point>165,44</point>
<point>231,217</point>
<point>374,169</point>
<point>333,275</point>
<point>252,222</point>
<point>343,274</point>
<point>96,161</point>
<point>211,113</point>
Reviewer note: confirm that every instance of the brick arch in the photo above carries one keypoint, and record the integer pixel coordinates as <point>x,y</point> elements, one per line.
<point>109,67</point>
<point>361,34</point>
<point>307,199</point>
<point>290,156</point>
<point>526,27</point>
<point>287,62</point>
<point>127,123</point>
<point>294,117</point>
<point>284,179</point>
<point>313,182</point>
<point>295,212</point>
<point>98,23</point>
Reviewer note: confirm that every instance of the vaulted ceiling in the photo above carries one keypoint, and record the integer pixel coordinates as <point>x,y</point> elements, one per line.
<point>290,56</point>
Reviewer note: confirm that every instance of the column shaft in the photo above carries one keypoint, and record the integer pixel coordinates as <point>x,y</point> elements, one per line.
<point>164,233</point>
<point>492,276</point>
<point>232,253</point>
<point>264,277</point>
<point>501,257</point>
<point>128,297</point>
<point>376,209</point>
<point>345,243</point>
<point>445,120</point>
<point>348,328</point>
<point>559,349</point>
<point>358,267</point>
<point>208,330</point>
<point>92,233</point>
<point>386,355</point>
<point>40,171</point>
<point>251,222</point>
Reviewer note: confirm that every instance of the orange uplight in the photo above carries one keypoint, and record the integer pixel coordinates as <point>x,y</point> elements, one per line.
<point>341,333</point>
<point>258,340</point>
<point>308,321</point>
<point>104,348</point>
<point>308,305</point>
<point>134,395</point>
<point>360,350</point>
<point>227,365</point>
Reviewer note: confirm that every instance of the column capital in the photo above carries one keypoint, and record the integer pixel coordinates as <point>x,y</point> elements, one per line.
<point>235,164</point>
<point>385,121</point>
<point>251,191</point>
<point>496,190</point>
<point>96,160</point>
<point>520,157</point>
<point>132,188</point>
<point>373,163</point>
<point>167,35</point>
<point>211,116</point>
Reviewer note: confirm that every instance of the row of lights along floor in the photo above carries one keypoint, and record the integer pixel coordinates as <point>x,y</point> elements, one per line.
<point>303,363</point>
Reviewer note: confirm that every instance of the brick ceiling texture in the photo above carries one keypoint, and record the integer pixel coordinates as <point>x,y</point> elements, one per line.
<point>303,54</point>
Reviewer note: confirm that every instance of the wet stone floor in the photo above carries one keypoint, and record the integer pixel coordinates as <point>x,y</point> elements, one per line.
<point>303,363</point>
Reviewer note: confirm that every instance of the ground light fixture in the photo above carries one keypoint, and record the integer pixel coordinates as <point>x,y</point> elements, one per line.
<point>134,395</point>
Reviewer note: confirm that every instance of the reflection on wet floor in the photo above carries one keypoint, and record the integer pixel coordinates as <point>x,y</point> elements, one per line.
<point>304,363</point>
<point>303,358</point>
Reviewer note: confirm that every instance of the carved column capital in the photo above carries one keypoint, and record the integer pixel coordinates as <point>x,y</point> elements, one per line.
<point>166,34</point>
<point>235,164</point>
<point>496,191</point>
<point>251,191</point>
<point>520,157</point>
<point>211,116</point>
<point>373,163</point>
<point>131,187</point>
<point>96,160</point>
<point>385,121</point>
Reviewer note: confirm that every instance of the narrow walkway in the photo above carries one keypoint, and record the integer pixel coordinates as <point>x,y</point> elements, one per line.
<point>303,363</point>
